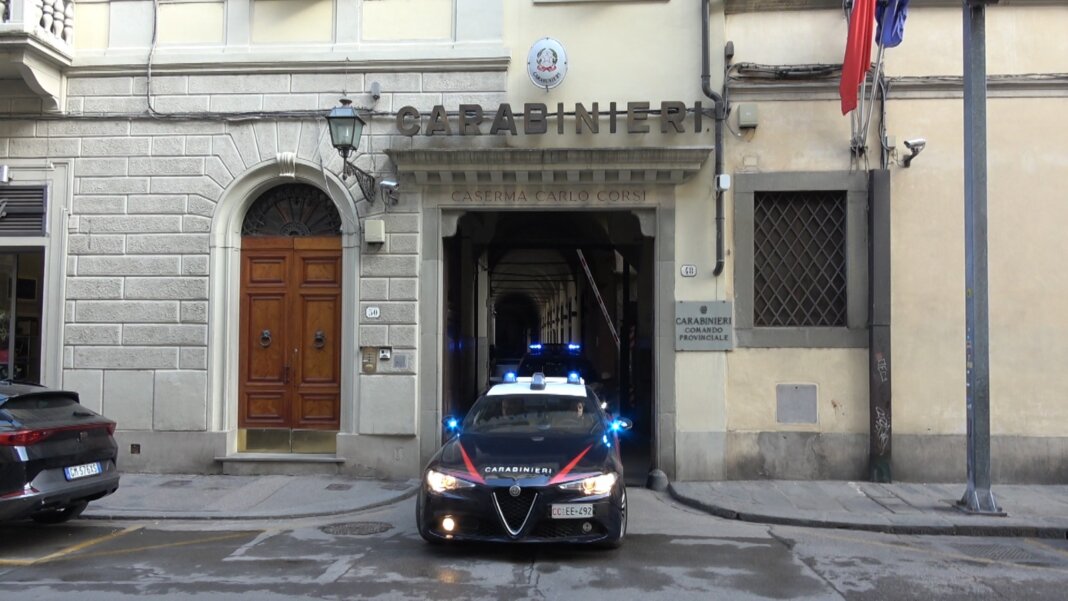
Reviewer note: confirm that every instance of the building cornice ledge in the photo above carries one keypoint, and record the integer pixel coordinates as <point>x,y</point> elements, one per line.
<point>196,64</point>
<point>538,166</point>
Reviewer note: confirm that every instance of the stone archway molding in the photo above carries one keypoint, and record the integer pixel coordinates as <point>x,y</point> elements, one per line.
<point>224,311</point>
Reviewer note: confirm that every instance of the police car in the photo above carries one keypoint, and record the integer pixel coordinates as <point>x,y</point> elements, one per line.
<point>535,460</point>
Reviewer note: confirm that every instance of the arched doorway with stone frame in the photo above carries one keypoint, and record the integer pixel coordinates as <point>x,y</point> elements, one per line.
<point>260,206</point>
<point>451,183</point>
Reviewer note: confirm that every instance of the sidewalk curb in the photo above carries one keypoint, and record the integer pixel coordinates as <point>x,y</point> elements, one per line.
<point>105,514</point>
<point>1017,531</point>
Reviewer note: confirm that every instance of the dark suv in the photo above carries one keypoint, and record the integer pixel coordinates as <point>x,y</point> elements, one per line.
<point>55,455</point>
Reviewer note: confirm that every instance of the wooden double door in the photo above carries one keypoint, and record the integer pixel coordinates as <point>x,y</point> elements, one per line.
<point>290,333</point>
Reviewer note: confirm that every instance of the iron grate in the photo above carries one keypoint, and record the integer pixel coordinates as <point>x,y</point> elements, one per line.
<point>799,265</point>
<point>292,210</point>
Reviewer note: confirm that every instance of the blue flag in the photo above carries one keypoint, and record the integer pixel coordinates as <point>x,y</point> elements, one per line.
<point>890,17</point>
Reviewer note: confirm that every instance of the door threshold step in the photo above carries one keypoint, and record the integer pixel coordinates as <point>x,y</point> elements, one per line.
<point>277,464</point>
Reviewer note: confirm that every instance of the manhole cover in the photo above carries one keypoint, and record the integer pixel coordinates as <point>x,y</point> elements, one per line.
<point>394,486</point>
<point>175,483</point>
<point>356,528</point>
<point>339,487</point>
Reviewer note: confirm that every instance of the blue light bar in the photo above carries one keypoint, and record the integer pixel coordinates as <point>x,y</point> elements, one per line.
<point>535,347</point>
<point>574,378</point>
<point>573,346</point>
<point>616,426</point>
<point>509,376</point>
<point>453,423</point>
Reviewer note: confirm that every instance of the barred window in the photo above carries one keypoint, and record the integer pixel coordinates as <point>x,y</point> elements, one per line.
<point>799,258</point>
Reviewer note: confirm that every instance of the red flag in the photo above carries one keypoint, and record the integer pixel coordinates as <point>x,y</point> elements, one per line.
<point>857,59</point>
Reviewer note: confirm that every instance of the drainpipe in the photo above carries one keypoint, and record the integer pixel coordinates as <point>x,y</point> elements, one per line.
<point>721,116</point>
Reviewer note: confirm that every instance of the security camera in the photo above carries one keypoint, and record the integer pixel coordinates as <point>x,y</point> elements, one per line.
<point>915,146</point>
<point>389,188</point>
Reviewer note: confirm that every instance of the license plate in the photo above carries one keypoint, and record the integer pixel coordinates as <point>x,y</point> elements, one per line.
<point>572,511</point>
<point>81,471</point>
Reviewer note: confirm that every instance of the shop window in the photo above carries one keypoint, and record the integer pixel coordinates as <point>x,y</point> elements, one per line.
<point>801,259</point>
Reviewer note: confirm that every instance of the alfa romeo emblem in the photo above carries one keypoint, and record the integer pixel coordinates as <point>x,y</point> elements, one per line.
<point>514,490</point>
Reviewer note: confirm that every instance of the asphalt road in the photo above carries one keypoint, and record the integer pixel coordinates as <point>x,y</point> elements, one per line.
<point>672,552</point>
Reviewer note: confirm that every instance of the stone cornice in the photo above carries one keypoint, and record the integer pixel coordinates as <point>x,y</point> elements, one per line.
<point>480,58</point>
<point>946,86</point>
<point>750,6</point>
<point>544,166</point>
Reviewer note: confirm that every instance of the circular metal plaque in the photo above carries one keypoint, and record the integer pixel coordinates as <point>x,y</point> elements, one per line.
<point>547,63</point>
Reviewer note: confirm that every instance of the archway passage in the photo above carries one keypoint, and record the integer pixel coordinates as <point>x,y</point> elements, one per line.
<point>516,278</point>
<point>290,361</point>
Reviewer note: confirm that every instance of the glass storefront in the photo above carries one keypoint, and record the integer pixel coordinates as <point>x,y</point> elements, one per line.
<point>21,279</point>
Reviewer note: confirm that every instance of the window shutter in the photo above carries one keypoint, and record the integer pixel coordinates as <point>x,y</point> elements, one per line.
<point>22,210</point>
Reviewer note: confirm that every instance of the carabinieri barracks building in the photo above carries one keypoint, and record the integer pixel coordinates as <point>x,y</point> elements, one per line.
<point>767,288</point>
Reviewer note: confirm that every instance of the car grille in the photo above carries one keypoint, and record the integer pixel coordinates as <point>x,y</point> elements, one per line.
<point>514,510</point>
<point>566,529</point>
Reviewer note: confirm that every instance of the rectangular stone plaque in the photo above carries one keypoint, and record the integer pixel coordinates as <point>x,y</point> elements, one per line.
<point>704,326</point>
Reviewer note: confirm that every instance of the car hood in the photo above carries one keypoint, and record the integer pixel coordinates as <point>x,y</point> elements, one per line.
<point>533,458</point>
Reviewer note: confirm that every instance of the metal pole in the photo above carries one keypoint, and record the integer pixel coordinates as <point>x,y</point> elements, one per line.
<point>978,498</point>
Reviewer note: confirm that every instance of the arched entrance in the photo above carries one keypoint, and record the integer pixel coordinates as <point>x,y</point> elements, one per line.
<point>289,387</point>
<point>582,278</point>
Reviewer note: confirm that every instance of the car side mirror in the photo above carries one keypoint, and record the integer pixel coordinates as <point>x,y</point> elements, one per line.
<point>621,423</point>
<point>452,424</point>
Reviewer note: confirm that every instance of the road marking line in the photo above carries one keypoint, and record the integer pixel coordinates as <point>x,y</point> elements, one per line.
<point>239,553</point>
<point>71,549</point>
<point>210,539</point>
<point>336,570</point>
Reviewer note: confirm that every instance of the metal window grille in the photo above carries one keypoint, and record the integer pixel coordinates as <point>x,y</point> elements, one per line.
<point>799,259</point>
<point>22,210</point>
<point>292,210</point>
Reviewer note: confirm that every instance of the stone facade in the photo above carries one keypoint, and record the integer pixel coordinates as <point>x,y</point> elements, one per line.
<point>152,167</point>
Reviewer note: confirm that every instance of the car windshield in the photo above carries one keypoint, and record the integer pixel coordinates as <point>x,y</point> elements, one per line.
<point>533,414</point>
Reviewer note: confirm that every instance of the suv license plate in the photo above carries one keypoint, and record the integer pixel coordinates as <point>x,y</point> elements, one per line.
<point>572,511</point>
<point>82,471</point>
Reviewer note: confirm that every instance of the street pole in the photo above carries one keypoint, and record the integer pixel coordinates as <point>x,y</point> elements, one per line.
<point>978,498</point>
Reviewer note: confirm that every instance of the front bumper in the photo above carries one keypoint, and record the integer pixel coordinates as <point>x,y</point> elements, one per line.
<point>479,518</point>
<point>51,490</point>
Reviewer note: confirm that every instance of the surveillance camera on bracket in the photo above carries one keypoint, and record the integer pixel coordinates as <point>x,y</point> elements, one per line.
<point>390,189</point>
<point>915,146</point>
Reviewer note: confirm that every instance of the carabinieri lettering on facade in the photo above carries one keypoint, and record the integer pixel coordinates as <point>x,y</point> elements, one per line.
<point>468,120</point>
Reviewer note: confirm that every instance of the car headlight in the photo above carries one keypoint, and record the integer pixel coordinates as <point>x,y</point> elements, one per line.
<point>439,482</point>
<point>597,485</point>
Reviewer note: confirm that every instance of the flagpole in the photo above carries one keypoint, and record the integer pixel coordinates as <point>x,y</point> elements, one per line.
<point>874,83</point>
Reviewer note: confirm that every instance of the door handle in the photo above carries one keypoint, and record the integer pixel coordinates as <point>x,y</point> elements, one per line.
<point>265,338</point>
<point>320,339</point>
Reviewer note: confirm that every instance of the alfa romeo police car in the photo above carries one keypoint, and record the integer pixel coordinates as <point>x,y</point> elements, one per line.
<point>535,460</point>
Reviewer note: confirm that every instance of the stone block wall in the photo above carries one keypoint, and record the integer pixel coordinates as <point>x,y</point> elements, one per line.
<point>147,183</point>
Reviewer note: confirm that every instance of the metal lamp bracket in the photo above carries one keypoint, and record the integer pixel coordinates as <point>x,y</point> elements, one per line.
<point>364,180</point>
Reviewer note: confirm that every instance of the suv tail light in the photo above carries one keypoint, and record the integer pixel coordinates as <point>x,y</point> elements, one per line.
<point>25,438</point>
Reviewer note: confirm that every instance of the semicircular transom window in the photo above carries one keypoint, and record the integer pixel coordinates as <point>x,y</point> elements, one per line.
<point>292,210</point>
